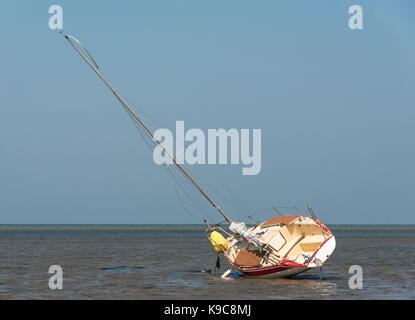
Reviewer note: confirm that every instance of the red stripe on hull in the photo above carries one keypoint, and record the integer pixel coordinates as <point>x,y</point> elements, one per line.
<point>277,270</point>
<point>266,272</point>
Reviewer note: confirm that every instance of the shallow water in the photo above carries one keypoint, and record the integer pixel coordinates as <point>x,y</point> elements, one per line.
<point>168,262</point>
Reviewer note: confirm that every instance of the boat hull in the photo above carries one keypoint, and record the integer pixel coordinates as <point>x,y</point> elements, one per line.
<point>286,271</point>
<point>300,245</point>
<point>277,272</point>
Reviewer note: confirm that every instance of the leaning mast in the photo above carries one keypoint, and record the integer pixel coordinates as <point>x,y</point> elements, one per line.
<point>131,111</point>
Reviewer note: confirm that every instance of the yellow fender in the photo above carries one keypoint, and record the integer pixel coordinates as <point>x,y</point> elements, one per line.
<point>219,243</point>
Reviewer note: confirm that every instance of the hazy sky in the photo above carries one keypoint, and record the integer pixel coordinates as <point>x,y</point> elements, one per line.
<point>336,106</point>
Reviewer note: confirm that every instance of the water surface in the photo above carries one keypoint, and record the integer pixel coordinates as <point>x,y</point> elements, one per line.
<point>167,262</point>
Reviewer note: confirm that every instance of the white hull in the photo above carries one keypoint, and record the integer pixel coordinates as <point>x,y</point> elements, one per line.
<point>292,247</point>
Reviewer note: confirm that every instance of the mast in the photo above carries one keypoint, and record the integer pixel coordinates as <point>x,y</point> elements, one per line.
<point>131,111</point>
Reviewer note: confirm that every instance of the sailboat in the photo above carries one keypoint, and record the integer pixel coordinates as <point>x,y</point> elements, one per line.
<point>283,246</point>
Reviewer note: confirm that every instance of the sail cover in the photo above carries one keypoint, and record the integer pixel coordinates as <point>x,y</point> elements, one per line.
<point>240,229</point>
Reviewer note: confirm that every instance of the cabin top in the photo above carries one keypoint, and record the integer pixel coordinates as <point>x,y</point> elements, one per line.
<point>277,220</point>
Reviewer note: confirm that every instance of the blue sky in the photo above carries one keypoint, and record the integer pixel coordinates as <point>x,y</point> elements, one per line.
<point>336,106</point>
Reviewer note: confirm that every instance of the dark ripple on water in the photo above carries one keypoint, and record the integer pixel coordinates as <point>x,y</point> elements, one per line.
<point>121,268</point>
<point>177,262</point>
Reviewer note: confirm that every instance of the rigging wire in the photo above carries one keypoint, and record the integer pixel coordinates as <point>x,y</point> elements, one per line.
<point>236,198</point>
<point>178,178</point>
<point>231,205</point>
<point>235,202</point>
